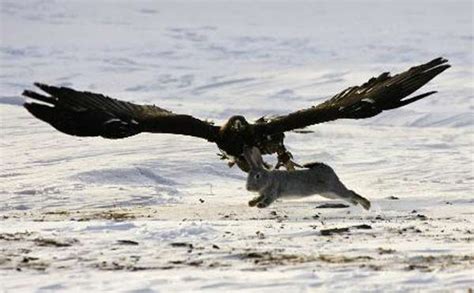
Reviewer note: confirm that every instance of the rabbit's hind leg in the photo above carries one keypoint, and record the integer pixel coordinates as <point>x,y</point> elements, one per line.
<point>365,203</point>
<point>348,196</point>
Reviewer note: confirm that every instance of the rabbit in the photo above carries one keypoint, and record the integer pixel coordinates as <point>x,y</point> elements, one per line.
<point>317,178</point>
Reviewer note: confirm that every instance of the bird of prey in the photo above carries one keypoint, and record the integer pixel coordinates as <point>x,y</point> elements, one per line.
<point>82,113</point>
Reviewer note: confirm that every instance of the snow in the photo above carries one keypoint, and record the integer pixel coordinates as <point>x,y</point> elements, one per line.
<point>163,213</point>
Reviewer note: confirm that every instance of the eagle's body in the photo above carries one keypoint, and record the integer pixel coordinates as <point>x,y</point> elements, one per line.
<point>91,114</point>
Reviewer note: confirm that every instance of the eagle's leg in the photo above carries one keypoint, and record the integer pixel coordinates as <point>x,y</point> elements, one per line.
<point>285,159</point>
<point>237,133</point>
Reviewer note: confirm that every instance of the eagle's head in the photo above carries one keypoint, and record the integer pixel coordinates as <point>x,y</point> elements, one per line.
<point>237,123</point>
<point>234,134</point>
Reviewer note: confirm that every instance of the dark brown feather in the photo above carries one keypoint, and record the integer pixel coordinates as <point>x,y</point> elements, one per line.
<point>376,95</point>
<point>91,114</point>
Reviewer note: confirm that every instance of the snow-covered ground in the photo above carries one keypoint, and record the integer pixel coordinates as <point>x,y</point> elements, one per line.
<point>161,212</point>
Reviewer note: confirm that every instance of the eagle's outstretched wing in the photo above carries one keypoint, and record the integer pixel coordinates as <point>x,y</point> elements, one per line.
<point>90,114</point>
<point>380,93</point>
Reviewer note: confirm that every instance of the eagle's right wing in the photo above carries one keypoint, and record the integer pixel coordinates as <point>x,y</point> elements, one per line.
<point>91,114</point>
<point>379,94</point>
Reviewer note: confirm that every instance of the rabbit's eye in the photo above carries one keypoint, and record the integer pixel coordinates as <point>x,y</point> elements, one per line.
<point>257,176</point>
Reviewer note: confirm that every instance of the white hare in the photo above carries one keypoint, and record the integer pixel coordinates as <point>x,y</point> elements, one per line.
<point>317,178</point>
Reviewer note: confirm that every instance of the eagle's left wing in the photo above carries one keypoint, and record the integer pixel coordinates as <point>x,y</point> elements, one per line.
<point>82,113</point>
<point>380,93</point>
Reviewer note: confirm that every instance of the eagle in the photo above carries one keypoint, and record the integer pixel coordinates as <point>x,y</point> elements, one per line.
<point>83,113</point>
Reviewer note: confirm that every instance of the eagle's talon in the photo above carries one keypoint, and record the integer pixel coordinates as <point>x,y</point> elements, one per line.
<point>285,160</point>
<point>291,165</point>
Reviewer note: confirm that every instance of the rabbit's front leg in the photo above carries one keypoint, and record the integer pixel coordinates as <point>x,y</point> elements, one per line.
<point>253,202</point>
<point>267,197</point>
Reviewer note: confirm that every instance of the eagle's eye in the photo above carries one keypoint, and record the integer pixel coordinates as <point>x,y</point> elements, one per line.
<point>257,176</point>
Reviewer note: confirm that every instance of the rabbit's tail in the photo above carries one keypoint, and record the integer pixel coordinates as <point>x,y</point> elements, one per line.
<point>357,199</point>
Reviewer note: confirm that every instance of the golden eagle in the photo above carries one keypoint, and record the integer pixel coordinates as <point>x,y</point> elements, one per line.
<point>90,114</point>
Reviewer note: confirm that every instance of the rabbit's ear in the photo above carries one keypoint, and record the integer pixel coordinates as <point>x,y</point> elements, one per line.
<point>257,157</point>
<point>253,157</point>
<point>248,157</point>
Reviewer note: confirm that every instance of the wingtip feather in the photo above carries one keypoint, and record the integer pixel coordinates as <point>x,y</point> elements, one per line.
<point>415,98</point>
<point>39,111</point>
<point>36,96</point>
<point>40,84</point>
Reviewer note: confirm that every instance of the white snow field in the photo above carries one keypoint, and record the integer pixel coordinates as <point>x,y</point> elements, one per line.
<point>162,213</point>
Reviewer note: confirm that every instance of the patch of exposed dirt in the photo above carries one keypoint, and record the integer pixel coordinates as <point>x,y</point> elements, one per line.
<point>332,206</point>
<point>430,263</point>
<point>270,258</point>
<point>341,259</point>
<point>55,242</point>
